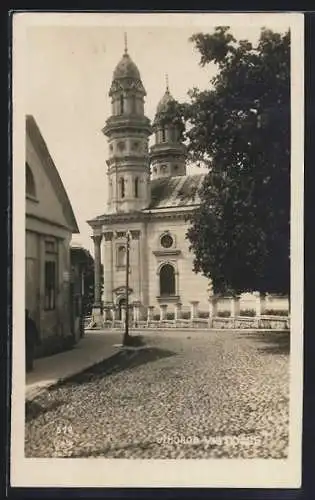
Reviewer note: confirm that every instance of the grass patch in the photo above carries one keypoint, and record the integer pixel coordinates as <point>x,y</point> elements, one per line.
<point>185,315</point>
<point>248,312</point>
<point>203,314</point>
<point>224,314</point>
<point>276,312</point>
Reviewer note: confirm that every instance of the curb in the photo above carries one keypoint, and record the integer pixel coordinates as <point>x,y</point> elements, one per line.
<point>32,393</point>
<point>183,330</point>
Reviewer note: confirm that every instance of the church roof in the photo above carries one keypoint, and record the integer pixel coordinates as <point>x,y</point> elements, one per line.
<point>164,102</point>
<point>175,192</point>
<point>52,173</point>
<point>179,192</point>
<point>163,105</point>
<point>126,68</point>
<point>126,76</point>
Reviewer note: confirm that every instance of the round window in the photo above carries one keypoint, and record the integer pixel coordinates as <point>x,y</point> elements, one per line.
<point>166,241</point>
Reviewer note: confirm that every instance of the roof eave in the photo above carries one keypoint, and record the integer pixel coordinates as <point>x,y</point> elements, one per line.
<point>52,172</point>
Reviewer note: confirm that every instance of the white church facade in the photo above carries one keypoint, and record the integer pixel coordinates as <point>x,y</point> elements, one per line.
<point>150,197</point>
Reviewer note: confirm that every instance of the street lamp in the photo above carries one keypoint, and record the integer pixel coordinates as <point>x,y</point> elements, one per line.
<point>126,337</point>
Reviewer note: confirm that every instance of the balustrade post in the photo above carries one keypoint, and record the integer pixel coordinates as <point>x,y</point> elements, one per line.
<point>194,309</point>
<point>163,309</point>
<point>177,313</point>
<point>150,310</point>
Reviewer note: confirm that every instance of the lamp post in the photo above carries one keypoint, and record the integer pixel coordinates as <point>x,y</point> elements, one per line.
<point>126,337</point>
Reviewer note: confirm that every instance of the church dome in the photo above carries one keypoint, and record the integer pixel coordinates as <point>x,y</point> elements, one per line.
<point>126,76</point>
<point>163,105</point>
<point>164,102</point>
<point>126,68</point>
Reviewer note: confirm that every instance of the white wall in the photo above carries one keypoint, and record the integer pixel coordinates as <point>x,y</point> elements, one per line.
<point>45,220</point>
<point>191,286</point>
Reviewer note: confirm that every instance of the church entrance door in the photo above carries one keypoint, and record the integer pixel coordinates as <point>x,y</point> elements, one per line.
<point>121,304</point>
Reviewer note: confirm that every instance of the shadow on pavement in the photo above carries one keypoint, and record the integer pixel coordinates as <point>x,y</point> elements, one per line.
<point>125,359</point>
<point>33,409</point>
<point>275,342</point>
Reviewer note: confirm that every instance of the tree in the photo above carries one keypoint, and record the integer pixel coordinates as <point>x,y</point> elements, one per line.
<point>240,128</point>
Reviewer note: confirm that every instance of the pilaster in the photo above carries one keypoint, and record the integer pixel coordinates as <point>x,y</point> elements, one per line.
<point>108,266</point>
<point>97,309</point>
<point>136,264</point>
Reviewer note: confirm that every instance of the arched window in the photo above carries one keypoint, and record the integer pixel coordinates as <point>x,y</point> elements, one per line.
<point>122,187</point>
<point>121,256</point>
<point>136,187</point>
<point>121,145</point>
<point>133,105</point>
<point>163,134</point>
<point>121,104</point>
<point>167,280</point>
<point>29,181</point>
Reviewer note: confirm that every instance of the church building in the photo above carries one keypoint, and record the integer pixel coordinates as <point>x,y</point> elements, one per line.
<point>150,197</point>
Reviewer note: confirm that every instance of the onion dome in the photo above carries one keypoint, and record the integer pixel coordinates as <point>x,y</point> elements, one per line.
<point>126,68</point>
<point>163,104</point>
<point>126,75</point>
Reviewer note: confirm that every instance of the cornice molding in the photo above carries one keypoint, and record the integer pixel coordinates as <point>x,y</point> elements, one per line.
<point>120,123</point>
<point>167,251</point>
<point>164,147</point>
<point>128,161</point>
<point>118,218</point>
<point>115,218</point>
<point>121,290</point>
<point>168,299</point>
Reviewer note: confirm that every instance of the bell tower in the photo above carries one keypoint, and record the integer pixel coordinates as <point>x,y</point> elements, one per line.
<point>168,154</point>
<point>128,131</point>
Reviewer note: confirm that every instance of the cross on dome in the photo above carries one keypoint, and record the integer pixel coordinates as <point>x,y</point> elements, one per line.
<point>167,86</point>
<point>126,43</point>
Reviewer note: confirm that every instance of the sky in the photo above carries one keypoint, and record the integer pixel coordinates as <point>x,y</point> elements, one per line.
<point>69,68</point>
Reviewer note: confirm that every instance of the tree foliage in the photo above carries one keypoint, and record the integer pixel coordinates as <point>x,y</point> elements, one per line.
<point>174,114</point>
<point>240,127</point>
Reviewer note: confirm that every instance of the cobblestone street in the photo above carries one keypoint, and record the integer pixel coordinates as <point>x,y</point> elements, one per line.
<point>184,395</point>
